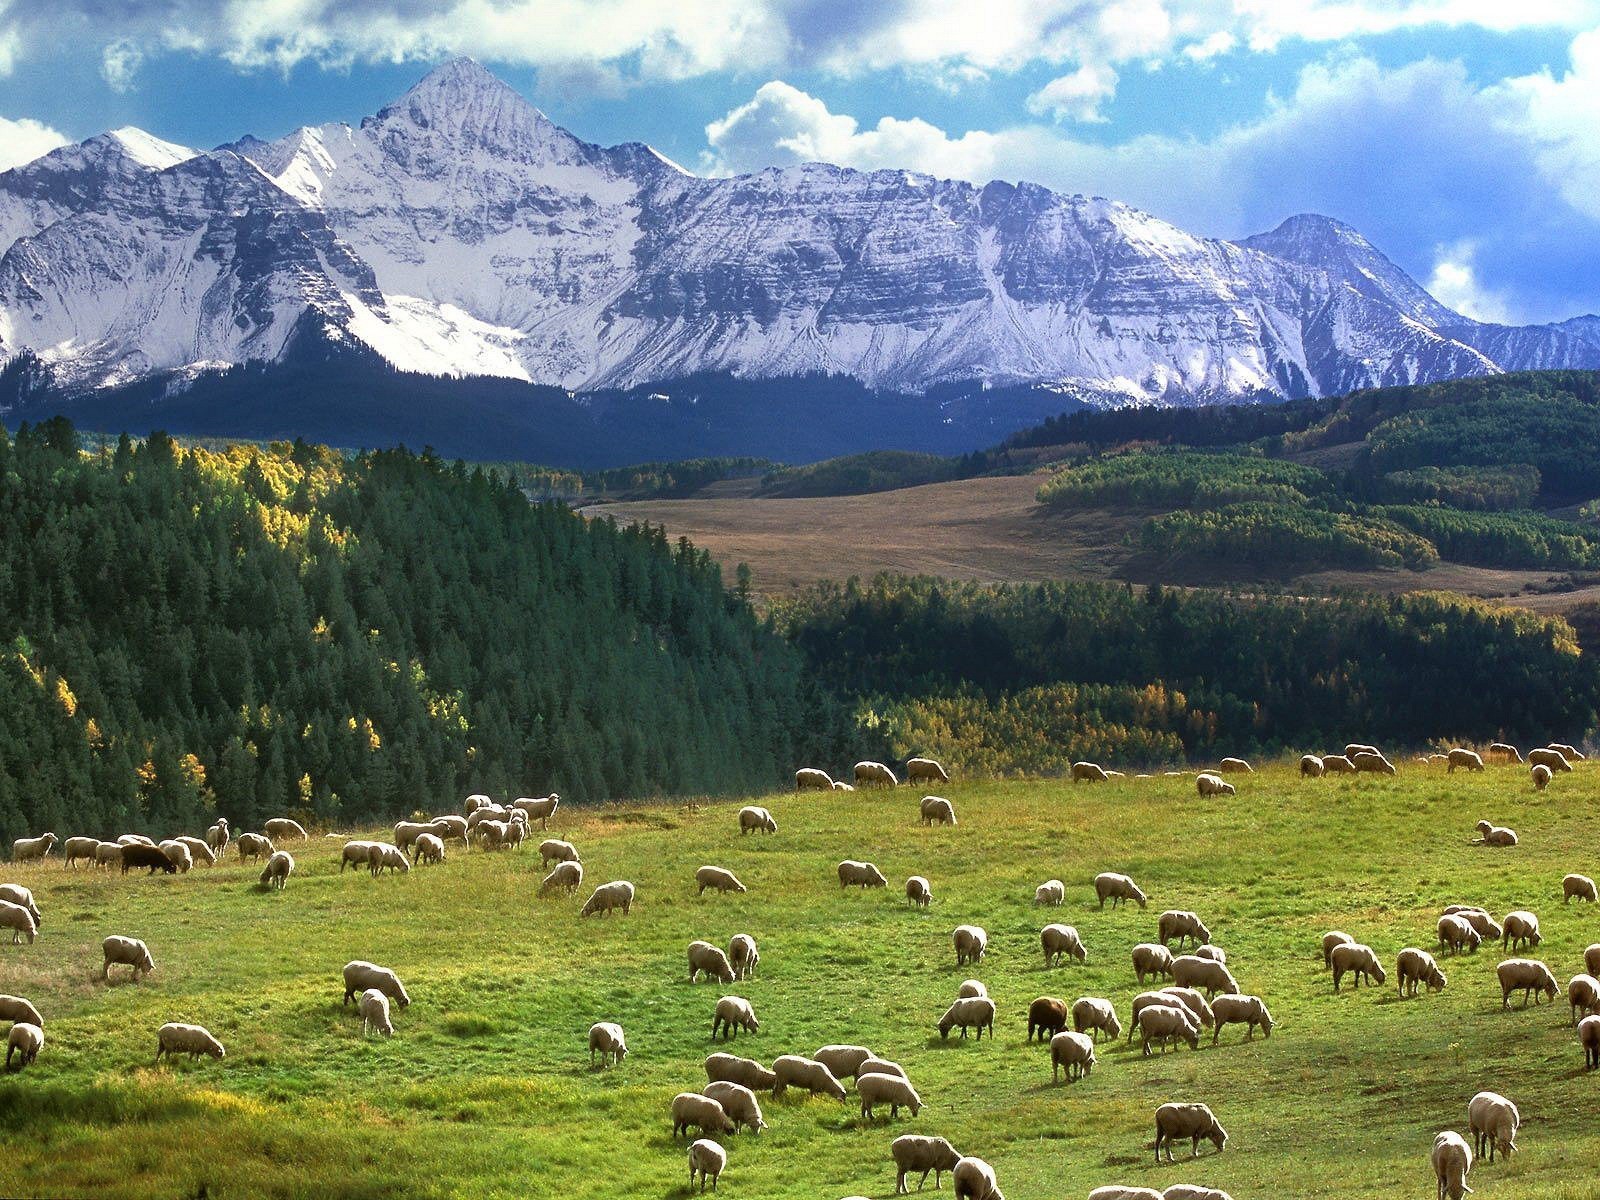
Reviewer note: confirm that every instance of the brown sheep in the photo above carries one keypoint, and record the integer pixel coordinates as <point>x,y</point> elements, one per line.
<point>1046,1016</point>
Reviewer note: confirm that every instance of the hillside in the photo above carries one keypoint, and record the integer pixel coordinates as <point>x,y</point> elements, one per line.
<point>486,1087</point>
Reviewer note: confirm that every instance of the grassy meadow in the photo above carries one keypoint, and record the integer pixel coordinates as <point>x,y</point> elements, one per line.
<point>486,1087</point>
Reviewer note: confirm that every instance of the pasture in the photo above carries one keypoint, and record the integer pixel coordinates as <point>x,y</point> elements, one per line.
<point>486,1088</point>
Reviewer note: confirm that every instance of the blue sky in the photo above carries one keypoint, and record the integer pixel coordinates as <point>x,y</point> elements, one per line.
<point>1462,136</point>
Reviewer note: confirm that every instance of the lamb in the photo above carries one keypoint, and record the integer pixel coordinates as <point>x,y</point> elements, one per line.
<point>974,1012</point>
<point>25,1041</point>
<point>860,874</point>
<point>1463,758</point>
<point>1046,1016</point>
<point>198,850</point>
<point>356,853</point>
<point>567,876</point>
<point>1192,1121</point>
<point>1505,750</point>
<point>1541,776</point>
<point>15,1008</point>
<point>1332,938</point>
<point>155,858</point>
<point>1452,1160</point>
<point>971,943</point>
<point>810,777</point>
<point>374,1009</point>
<point>975,1180</point>
<point>1583,995</point>
<point>19,920</point>
<point>427,848</point>
<point>1476,917</point>
<point>254,845</point>
<point>739,1102</point>
<point>793,1070</point>
<point>279,867</point>
<point>1494,835</point>
<point>1109,885</point>
<point>1182,925</point>
<point>1207,785</point>
<point>936,810</point>
<point>914,1152</point>
<point>126,951</point>
<point>1236,1009</point>
<point>606,1037</point>
<point>877,1088</point>
<point>15,893</point>
<point>450,828</point>
<point>1356,960</point>
<point>1521,929</point>
<point>1235,766</point>
<point>970,988</point>
<point>616,894</point>
<point>1073,1053</point>
<point>753,818</point>
<point>360,976</point>
<point>702,1112</point>
<point>875,774</point>
<point>1151,959</point>
<point>1337,764</point>
<point>1052,892</point>
<point>1414,968</point>
<point>1527,975</point>
<point>1580,886</point>
<point>706,959</point>
<point>919,891</point>
<point>1570,752</point>
<point>538,808</point>
<point>1058,940</point>
<point>285,827</point>
<point>1088,772</point>
<point>1162,1023</point>
<point>708,1160</point>
<point>1553,759</point>
<point>1095,1015</point>
<point>732,1014</point>
<point>719,878</point>
<point>746,1072</point>
<point>1589,1040</point>
<point>555,850</point>
<point>35,849</point>
<point>1493,1120</point>
<point>1373,763</point>
<point>217,836</point>
<point>75,848</point>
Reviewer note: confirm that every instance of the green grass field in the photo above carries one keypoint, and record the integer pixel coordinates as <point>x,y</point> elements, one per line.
<point>486,1089</point>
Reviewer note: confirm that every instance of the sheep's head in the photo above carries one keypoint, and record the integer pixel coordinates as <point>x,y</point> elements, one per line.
<point>1219,1135</point>
<point>1436,980</point>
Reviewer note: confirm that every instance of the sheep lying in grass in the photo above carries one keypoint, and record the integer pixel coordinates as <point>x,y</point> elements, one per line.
<point>1452,1161</point>
<point>1456,933</point>
<point>1493,1122</point>
<point>732,1014</point>
<point>35,849</point>
<point>706,959</point>
<point>175,1037</point>
<point>606,1038</point>
<point>1527,975</point>
<point>755,819</point>
<point>1583,995</point>
<point>975,1180</point>
<point>360,976</point>
<point>718,878</point>
<point>1521,929</point>
<point>971,942</point>
<point>566,877</point>
<point>882,1088</point>
<point>1109,885</point>
<point>919,891</point>
<point>1415,968</point>
<point>1236,1009</point>
<point>1192,1121</point>
<point>974,1012</point>
<point>925,770</point>
<point>692,1110</point>
<point>15,1008</point>
<point>1579,887</point>
<point>708,1160</point>
<point>743,955</point>
<point>914,1152</point>
<point>738,1101</point>
<point>811,777</point>
<point>794,1070</point>
<point>374,1009</point>
<point>616,894</point>
<point>1073,1053</point>
<point>1589,1040</point>
<point>125,951</point>
<point>746,1072</point>
<point>1164,1023</point>
<point>1058,940</point>
<point>936,810</point>
<point>1051,892</point>
<point>843,1060</point>
<point>1151,959</point>
<point>1360,962</point>
<point>1095,1015</point>
<point>860,874</point>
<point>1207,785</point>
<point>1312,767</point>
<point>1494,835</point>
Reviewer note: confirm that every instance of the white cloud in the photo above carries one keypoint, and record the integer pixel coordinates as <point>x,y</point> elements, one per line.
<point>119,63</point>
<point>1078,96</point>
<point>25,140</point>
<point>1561,117</point>
<point>1455,284</point>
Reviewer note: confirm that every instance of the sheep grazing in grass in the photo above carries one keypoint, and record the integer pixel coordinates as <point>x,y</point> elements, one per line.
<point>616,894</point>
<point>1493,1121</point>
<point>357,853</point>
<point>1414,969</point>
<point>1051,892</point>
<point>915,1153</point>
<point>1334,937</point>
<point>1192,1121</point>
<point>1354,748</point>
<point>386,856</point>
<point>35,849</point>
<point>15,893</point>
<point>1521,929</point>
<point>25,1041</point>
<point>135,839</point>
<point>739,1102</point>
<point>1116,1191</point>
<point>428,849</point>
<point>1579,887</point>
<point>1467,760</point>
<point>1555,760</point>
<point>706,1159</point>
<point>1189,1191</point>
<point>1494,835</point>
<point>154,858</point>
<point>1525,975</point>
<point>732,1014</point>
<point>1097,1016</point>
<point>15,1008</point>
<point>840,785</point>
<point>936,810</point>
<point>973,1012</point>
<point>607,1040</point>
<point>975,1180</point>
<point>971,943</point>
<point>1591,960</point>
<point>176,1037</point>
<point>1151,959</point>
<point>1479,918</point>
<point>1214,953</point>
<point>919,891</point>
<point>1235,766</point>
<point>1236,1009</point>
<point>279,828</point>
<point>1541,776</point>
<point>1456,933</point>
<point>970,988</point>
<point>361,976</point>
<point>199,852</point>
<point>875,774</point>
<point>1589,1040</point>
<point>843,1060</point>
<point>1452,1162</point>
<point>1358,961</point>
<point>877,1088</point>
<point>1373,764</point>
<point>1088,772</point>
<point>125,951</point>
<point>407,832</point>
<point>555,850</point>
<point>278,869</point>
<point>1505,751</point>
<point>743,955</point>
<point>860,874</point>
<point>1059,940</point>
<point>719,879</point>
<point>1047,1016</point>
<point>450,828</point>
<point>1165,1023</point>
<point>706,959</point>
<point>794,1070</point>
<point>925,770</point>
<point>1197,1004</point>
<point>1568,751</point>
<point>474,802</point>
<point>746,1072</point>
<point>1207,785</point>
<point>254,846</point>
<point>1337,764</point>
<point>1109,885</point>
<point>538,808</point>
<point>1182,926</point>
<point>1072,1053</point>
<point>374,1009</point>
<point>1312,767</point>
<point>811,778</point>
<point>880,1066</point>
<point>567,877</point>
<point>217,836</point>
<point>755,819</point>
<point>75,848</point>
<point>1583,995</point>
<point>692,1110</point>
<point>492,835</point>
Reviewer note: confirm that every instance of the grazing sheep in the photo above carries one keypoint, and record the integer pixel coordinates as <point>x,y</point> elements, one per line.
<point>1151,959</point>
<point>793,1070</point>
<point>1480,920</point>
<point>356,854</point>
<point>1057,940</point>
<point>877,1088</point>
<point>1095,1015</point>
<point>15,893</point>
<point>1358,961</point>
<point>538,808</point>
<point>1521,929</point>
<point>1494,835</point>
<point>1117,1191</point>
<point>1580,886</point>
<point>1188,1191</point>
<point>732,1014</point>
<point>254,845</point>
<point>925,770</point>
<point>975,1180</point>
<point>606,1038</point>
<point>1046,1016</point>
<point>706,959</point>
<point>279,867</point>
<point>19,920</point>
<point>1052,892</point>
<point>1190,970</point>
<point>1541,776</point>
<point>1207,785</point>
<point>708,1159</point>
<point>810,777</point>
<point>1583,995</point>
<point>474,802</point>
<point>32,849</point>
<point>555,850</point>
<point>405,832</point>
<point>1553,759</point>
<point>15,1008</point>
<point>427,848</point>
<point>1414,968</point>
<point>567,876</point>
<point>1312,767</point>
<point>1452,1161</point>
<point>1373,763</point>
<point>971,943</point>
<point>753,818</point>
<point>1355,748</point>
<point>970,988</point>
<point>738,1101</point>
<point>1455,932</point>
<point>701,1112</point>
<point>1162,1023</point>
<point>1088,772</point>
<point>75,848</point>
<point>973,1012</point>
<point>743,955</point>
<point>1337,764</point>
<point>1569,752</point>
<point>135,839</point>
<point>720,878</point>
<point>746,1072</point>
<point>1505,750</point>
<point>860,874</point>
<point>1235,766</point>
<point>137,854</point>
<point>840,785</point>
<point>919,891</point>
<point>1197,1005</point>
<point>880,1066</point>
<point>25,1041</point>
<point>616,894</point>
<point>1332,938</point>
<point>194,1040</point>
<point>1466,759</point>
<point>284,827</point>
<point>217,836</point>
<point>1589,1040</point>
<point>125,951</point>
<point>198,850</point>
<point>1192,1121</point>
<point>1591,960</point>
<point>491,834</point>
<point>913,1152</point>
<point>1214,953</point>
<point>486,812</point>
<point>360,976</point>
<point>1527,975</point>
<point>1493,1120</point>
<point>1236,1009</point>
<point>1073,1053</point>
<point>875,774</point>
<point>843,1060</point>
<point>374,1009</point>
<point>389,857</point>
<point>1109,885</point>
<point>936,810</point>
<point>450,828</point>
<point>1182,925</point>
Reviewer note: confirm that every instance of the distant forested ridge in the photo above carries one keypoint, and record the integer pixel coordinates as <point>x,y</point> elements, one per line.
<point>260,631</point>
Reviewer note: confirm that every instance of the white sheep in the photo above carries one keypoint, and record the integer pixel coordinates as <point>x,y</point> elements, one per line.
<point>732,1014</point>
<point>1151,959</point>
<point>1051,892</point>
<point>1591,960</point>
<point>356,853</point>
<point>450,828</point>
<point>75,848</point>
<point>1583,995</point>
<point>739,1102</point>
<point>25,1041</point>
<point>285,827</point>
<point>842,1059</point>
<point>975,1180</point>
<point>1527,975</point>
<point>1117,1191</point>
<point>15,1008</point>
<point>1493,1121</point>
<point>1494,835</point>
<point>1541,776</point>
<point>1338,764</point>
<point>538,808</point>
<point>913,1152</point>
<point>1193,1121</point>
<point>135,839</point>
<point>719,879</point>
<point>374,1009</point>
<point>860,874</point>
<point>390,857</point>
<point>199,851</point>
<point>278,869</point>
<point>1109,885</point>
<point>743,955</point>
<point>1478,918</point>
<point>700,1112</point>
<point>1589,1040</point>
<point>1207,785</point>
<point>1521,928</point>
<point>1373,763</point>
<point>1460,757</point>
<point>1088,772</point>
<point>1357,960</point>
<point>176,1037</point>
<point>1095,1015</point>
<point>606,1038</point>
<point>567,877</point>
<point>875,774</point>
<point>1189,1191</point>
<point>1456,933</point>
<point>555,850</point>
<point>32,849</point>
<point>15,893</point>
<point>1182,925</point>
<point>745,1071</point>
<point>360,976</point>
<point>1579,886</point>
<point>925,770</point>
<point>936,810</point>
<point>1334,937</point>
<point>125,951</point>
<point>427,848</point>
<point>877,1088</point>
<point>1071,1052</point>
<point>973,1012</point>
<point>1568,751</point>
<point>217,836</point>
<point>753,818</point>
<point>1235,766</point>
<point>1551,758</point>
<point>1057,940</point>
<point>407,832</point>
<point>794,1070</point>
<point>708,1160</point>
<point>1452,1161</point>
<point>840,785</point>
<point>1506,751</point>
<point>811,777</point>
<point>616,894</point>
<point>1312,767</point>
<point>971,943</point>
<point>919,891</point>
<point>1236,1009</point>
<point>706,959</point>
<point>970,988</point>
<point>1163,1023</point>
<point>1415,968</point>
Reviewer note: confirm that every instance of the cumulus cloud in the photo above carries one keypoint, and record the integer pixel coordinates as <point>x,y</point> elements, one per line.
<point>1455,284</point>
<point>1078,96</point>
<point>25,140</point>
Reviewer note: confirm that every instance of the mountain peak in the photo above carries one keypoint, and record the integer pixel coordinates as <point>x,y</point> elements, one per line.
<point>148,150</point>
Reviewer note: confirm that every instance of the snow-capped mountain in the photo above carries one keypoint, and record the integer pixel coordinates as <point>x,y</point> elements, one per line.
<point>460,232</point>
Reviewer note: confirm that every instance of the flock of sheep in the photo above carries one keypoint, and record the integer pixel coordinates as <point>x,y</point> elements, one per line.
<point>1196,990</point>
